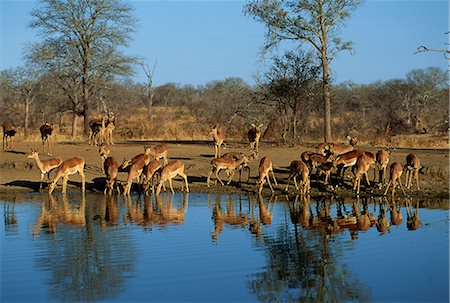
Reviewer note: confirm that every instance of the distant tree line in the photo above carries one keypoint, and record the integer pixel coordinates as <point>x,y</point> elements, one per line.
<point>286,99</point>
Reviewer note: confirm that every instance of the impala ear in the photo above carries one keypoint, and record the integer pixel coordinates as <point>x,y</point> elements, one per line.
<point>253,125</point>
<point>261,125</point>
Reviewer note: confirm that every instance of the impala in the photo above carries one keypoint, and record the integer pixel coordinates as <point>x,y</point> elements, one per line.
<point>111,169</point>
<point>254,135</point>
<point>382,161</point>
<point>265,166</point>
<point>299,168</point>
<point>46,131</point>
<point>69,167</point>
<point>231,165</point>
<point>339,148</point>
<point>361,168</point>
<point>218,137</point>
<point>149,173</point>
<point>9,131</point>
<point>104,152</point>
<point>239,156</point>
<point>170,171</point>
<point>396,171</point>
<point>158,152</point>
<point>45,166</point>
<point>412,170</point>
<point>134,172</point>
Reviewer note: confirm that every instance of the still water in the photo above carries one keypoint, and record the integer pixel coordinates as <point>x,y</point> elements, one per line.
<point>201,247</point>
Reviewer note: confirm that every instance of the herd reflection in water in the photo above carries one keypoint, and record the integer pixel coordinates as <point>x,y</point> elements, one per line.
<point>298,254</point>
<point>150,210</point>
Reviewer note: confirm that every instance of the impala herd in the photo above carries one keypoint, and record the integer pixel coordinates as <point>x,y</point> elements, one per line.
<point>151,174</point>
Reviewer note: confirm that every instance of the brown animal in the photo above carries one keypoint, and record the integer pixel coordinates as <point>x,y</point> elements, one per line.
<point>254,135</point>
<point>299,168</point>
<point>149,173</point>
<point>339,148</point>
<point>218,137</point>
<point>97,130</point>
<point>229,164</point>
<point>110,125</point>
<point>45,166</point>
<point>111,168</point>
<point>322,148</point>
<point>363,163</point>
<point>69,167</point>
<point>158,152</point>
<point>412,170</point>
<point>396,171</point>
<point>134,172</point>
<point>104,152</point>
<point>46,131</point>
<point>382,161</point>
<point>170,171</point>
<point>9,131</point>
<point>265,166</point>
<point>239,156</point>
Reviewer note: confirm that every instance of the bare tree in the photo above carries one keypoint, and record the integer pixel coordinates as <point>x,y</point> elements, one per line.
<point>311,22</point>
<point>26,82</point>
<point>149,90</point>
<point>84,37</point>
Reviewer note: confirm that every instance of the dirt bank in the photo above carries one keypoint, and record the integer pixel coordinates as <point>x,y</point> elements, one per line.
<point>17,173</point>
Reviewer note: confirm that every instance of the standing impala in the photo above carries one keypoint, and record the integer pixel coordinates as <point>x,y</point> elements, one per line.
<point>111,169</point>
<point>218,137</point>
<point>45,166</point>
<point>230,164</point>
<point>169,172</point>
<point>254,135</point>
<point>265,166</point>
<point>382,160</point>
<point>396,171</point>
<point>104,152</point>
<point>158,152</point>
<point>361,168</point>
<point>46,131</point>
<point>299,168</point>
<point>69,167</point>
<point>134,172</point>
<point>412,170</point>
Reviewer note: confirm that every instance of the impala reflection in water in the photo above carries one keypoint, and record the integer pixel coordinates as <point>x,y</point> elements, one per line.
<point>95,247</point>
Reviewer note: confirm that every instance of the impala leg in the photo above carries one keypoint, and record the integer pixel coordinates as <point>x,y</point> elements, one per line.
<point>287,184</point>
<point>65,179</point>
<point>218,178</point>
<point>40,184</point>
<point>209,178</point>
<point>268,181</point>
<point>171,186</point>
<point>231,176</point>
<point>83,180</point>
<point>185,181</point>
<point>417,179</point>
<point>295,182</point>
<point>387,187</point>
<point>273,176</point>
<point>401,186</point>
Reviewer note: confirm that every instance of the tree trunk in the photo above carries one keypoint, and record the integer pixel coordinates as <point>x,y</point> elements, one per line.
<point>26,118</point>
<point>74,125</point>
<point>86,114</point>
<point>326,100</point>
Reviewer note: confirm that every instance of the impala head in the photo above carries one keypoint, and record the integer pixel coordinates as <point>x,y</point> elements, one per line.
<point>33,154</point>
<point>213,130</point>
<point>126,162</point>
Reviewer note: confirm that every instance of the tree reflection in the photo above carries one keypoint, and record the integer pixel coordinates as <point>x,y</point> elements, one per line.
<point>85,264</point>
<point>300,263</point>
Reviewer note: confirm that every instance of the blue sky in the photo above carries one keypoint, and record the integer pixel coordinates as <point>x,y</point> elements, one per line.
<point>195,42</point>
